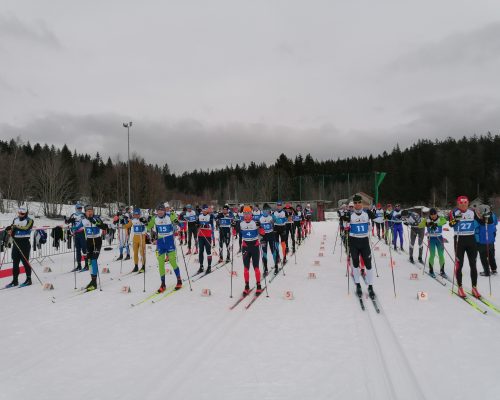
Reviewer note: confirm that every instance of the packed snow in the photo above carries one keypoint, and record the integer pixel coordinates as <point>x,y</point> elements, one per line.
<point>318,345</point>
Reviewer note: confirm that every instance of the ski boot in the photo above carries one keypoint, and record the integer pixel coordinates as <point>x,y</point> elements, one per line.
<point>200,270</point>
<point>359,292</point>
<point>276,270</point>
<point>371,293</point>
<point>484,273</point>
<point>179,284</point>
<point>221,259</point>
<point>127,258</point>
<point>420,260</point>
<point>493,271</point>
<point>293,250</point>
<point>431,272</point>
<point>196,251</point>
<point>461,292</point>
<point>412,260</point>
<point>475,293</point>
<point>120,257</point>
<point>162,288</point>
<point>188,252</point>
<point>239,251</point>
<point>442,273</point>
<point>246,291</point>
<point>259,289</point>
<point>12,284</point>
<point>93,284</point>
<point>265,271</point>
<point>228,258</point>
<point>284,260</point>
<point>27,282</point>
<point>136,268</point>
<point>209,269</point>
<point>84,269</point>
<point>77,268</point>
<point>143,269</point>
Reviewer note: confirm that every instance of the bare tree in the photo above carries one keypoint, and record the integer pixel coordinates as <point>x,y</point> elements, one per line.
<point>52,185</point>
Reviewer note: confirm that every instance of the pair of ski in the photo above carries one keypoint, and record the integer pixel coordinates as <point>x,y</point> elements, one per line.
<point>215,267</point>
<point>256,295</point>
<point>482,300</point>
<point>78,292</point>
<point>374,301</point>
<point>157,296</point>
<point>438,278</point>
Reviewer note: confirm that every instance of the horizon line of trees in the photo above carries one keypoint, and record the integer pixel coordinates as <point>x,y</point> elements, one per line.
<point>428,172</point>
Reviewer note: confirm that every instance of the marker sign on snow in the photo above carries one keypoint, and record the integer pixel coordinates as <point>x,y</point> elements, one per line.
<point>422,296</point>
<point>105,270</point>
<point>48,286</point>
<point>414,277</point>
<point>383,254</point>
<point>47,269</point>
<point>288,295</point>
<point>311,275</point>
<point>376,248</point>
<point>206,292</point>
<point>320,255</point>
<point>322,248</point>
<point>125,289</point>
<point>316,262</point>
<point>234,273</point>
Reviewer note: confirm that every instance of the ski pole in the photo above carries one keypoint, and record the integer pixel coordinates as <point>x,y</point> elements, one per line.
<point>143,256</point>
<point>232,261</point>
<point>265,275</point>
<point>488,253</point>
<point>392,269</point>
<point>336,237</point>
<point>25,259</point>
<point>185,266</point>
<point>373,256</point>
<point>74,260</point>
<point>348,262</point>
<point>427,252</point>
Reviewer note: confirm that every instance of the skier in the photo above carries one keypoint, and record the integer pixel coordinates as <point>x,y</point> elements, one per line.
<point>463,221</point>
<point>417,229</point>
<point>123,234</point>
<point>182,227</point>
<point>164,223</point>
<point>308,217</point>
<point>389,234</point>
<point>256,213</point>
<point>379,220</point>
<point>290,212</point>
<point>191,217</point>
<point>358,228</point>
<point>20,231</point>
<point>92,225</point>
<point>224,220</point>
<point>80,244</point>
<point>434,226</point>
<point>250,246</point>
<point>279,219</point>
<point>205,223</point>
<point>397,227</point>
<point>137,224</point>
<point>298,218</point>
<point>486,231</point>
<point>341,212</point>
<point>267,237</point>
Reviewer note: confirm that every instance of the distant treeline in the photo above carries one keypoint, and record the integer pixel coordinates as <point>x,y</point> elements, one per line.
<point>425,173</point>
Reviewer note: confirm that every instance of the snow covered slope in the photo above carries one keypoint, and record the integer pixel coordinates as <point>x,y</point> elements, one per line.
<point>320,345</point>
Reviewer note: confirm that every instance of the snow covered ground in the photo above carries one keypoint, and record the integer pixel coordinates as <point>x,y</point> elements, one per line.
<point>320,345</point>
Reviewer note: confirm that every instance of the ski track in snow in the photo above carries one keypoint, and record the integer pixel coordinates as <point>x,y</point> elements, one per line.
<point>320,345</point>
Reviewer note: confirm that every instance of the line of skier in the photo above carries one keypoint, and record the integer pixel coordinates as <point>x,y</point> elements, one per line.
<point>474,233</point>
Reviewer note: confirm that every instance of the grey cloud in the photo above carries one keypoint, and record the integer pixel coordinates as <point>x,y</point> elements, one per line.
<point>472,48</point>
<point>37,32</point>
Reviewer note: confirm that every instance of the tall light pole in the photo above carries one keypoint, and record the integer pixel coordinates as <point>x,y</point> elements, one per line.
<point>128,125</point>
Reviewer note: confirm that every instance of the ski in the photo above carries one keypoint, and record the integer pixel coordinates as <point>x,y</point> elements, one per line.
<point>255,297</point>
<point>242,297</point>
<point>470,302</point>
<point>374,302</point>
<point>279,270</point>
<point>79,292</point>
<point>436,278</point>
<point>362,305</point>
<point>485,302</point>
<point>201,275</point>
<point>151,296</point>
<point>165,295</point>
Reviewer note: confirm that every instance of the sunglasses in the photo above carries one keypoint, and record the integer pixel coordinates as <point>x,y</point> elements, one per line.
<point>357,202</point>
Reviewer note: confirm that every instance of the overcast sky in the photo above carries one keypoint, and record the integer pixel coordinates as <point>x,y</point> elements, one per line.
<point>214,82</point>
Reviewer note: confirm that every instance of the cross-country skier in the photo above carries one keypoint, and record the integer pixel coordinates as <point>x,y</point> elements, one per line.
<point>308,219</point>
<point>290,212</point>
<point>79,236</point>
<point>434,224</point>
<point>137,225</point>
<point>205,223</point>
<point>298,218</point>
<point>224,219</point>
<point>93,228</point>
<point>182,227</point>
<point>358,228</point>
<point>417,230</point>
<point>267,237</point>
<point>379,221</point>
<point>397,227</point>
<point>463,222</point>
<point>250,248</point>
<point>20,231</point>
<point>280,219</point>
<point>163,223</point>
<point>123,234</point>
<point>256,212</point>
<point>388,224</point>
<point>192,230</point>
<point>486,231</point>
